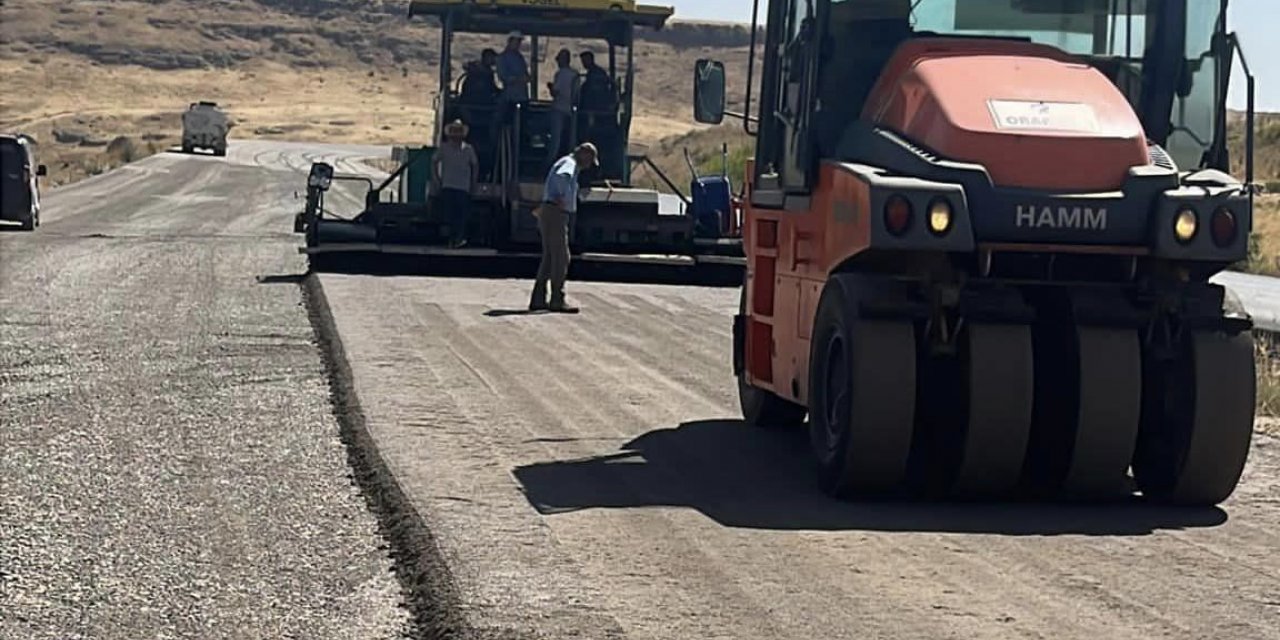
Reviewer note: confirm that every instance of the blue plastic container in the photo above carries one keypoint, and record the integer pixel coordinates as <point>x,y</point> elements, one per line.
<point>712,205</point>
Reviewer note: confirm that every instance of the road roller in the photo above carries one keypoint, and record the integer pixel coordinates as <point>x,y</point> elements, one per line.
<point>979,237</point>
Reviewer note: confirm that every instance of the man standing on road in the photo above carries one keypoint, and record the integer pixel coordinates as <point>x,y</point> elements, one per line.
<point>455,170</point>
<point>564,89</point>
<point>559,201</point>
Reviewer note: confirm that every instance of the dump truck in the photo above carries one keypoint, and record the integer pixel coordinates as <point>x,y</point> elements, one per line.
<point>205,126</point>
<point>979,236</point>
<point>616,221</point>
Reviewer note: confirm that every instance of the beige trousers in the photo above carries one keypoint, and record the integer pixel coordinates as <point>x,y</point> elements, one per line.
<point>553,225</point>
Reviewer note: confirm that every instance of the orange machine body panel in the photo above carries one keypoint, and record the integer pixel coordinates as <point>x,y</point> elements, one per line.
<point>790,254</point>
<point>1034,116</point>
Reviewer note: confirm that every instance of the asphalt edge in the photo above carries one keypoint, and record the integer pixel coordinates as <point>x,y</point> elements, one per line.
<point>426,582</point>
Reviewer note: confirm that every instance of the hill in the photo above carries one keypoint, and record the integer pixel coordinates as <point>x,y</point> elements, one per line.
<point>342,71</point>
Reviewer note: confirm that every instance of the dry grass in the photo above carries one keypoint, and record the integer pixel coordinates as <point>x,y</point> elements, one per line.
<point>704,145</point>
<point>1267,358</point>
<point>266,100</point>
<point>1268,425</point>
<point>1264,253</point>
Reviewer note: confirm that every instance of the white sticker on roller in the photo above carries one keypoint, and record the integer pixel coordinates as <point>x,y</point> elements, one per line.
<point>1043,116</point>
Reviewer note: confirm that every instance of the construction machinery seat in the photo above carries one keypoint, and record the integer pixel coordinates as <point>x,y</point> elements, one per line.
<point>602,129</point>
<point>536,153</point>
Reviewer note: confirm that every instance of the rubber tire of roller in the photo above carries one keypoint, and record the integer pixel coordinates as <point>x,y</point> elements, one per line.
<point>865,451</point>
<point>1197,457</point>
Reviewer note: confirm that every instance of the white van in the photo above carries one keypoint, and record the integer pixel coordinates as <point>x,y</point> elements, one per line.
<point>205,126</point>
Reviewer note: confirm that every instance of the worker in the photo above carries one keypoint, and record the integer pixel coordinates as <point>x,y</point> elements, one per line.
<point>480,87</point>
<point>455,171</point>
<point>564,89</point>
<point>513,70</point>
<point>597,87</point>
<point>477,103</point>
<point>559,202</point>
<point>597,106</point>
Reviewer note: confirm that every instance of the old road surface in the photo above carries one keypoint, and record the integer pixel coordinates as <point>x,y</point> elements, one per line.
<point>170,465</point>
<point>173,462</point>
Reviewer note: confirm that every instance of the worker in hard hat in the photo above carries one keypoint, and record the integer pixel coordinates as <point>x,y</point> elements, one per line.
<point>559,202</point>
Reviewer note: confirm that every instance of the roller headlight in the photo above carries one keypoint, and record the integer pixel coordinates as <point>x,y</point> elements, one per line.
<point>940,216</point>
<point>1185,225</point>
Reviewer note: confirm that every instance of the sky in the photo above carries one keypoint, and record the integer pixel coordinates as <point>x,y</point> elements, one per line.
<point>1257,22</point>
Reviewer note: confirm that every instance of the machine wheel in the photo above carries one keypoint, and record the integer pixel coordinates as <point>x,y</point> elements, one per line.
<point>312,233</point>
<point>31,221</point>
<point>761,407</point>
<point>1197,421</point>
<point>1088,406</point>
<point>999,377</point>
<point>862,388</point>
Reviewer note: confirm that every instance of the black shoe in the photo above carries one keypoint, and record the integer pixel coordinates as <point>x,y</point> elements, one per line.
<point>538,306</point>
<point>563,307</point>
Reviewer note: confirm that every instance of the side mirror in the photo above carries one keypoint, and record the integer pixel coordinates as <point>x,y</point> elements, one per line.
<point>42,170</point>
<point>321,176</point>
<point>708,92</point>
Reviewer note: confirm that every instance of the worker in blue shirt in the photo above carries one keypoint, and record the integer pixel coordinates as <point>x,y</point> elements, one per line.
<point>559,201</point>
<point>513,70</point>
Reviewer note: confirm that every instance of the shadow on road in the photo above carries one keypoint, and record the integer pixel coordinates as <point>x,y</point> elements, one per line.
<point>523,268</point>
<point>754,478</point>
<point>502,313</point>
<point>292,278</point>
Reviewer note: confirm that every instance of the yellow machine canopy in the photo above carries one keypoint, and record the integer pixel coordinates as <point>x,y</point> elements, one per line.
<point>560,18</point>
